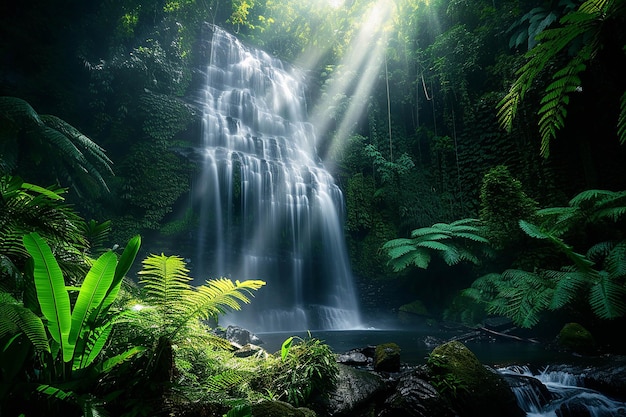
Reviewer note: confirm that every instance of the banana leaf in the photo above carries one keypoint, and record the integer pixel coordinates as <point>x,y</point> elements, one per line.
<point>53,298</point>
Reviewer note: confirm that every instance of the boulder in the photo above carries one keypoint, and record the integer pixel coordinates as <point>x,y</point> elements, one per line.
<point>238,336</point>
<point>470,387</point>
<point>575,338</point>
<point>387,358</point>
<point>356,394</point>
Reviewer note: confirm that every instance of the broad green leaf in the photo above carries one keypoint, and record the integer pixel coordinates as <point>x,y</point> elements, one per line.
<point>53,298</point>
<point>93,290</point>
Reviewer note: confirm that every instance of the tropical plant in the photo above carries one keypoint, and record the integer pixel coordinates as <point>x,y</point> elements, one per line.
<point>176,303</point>
<point>502,203</point>
<point>73,156</point>
<point>26,208</point>
<point>579,37</point>
<point>453,242</point>
<point>307,368</point>
<point>69,339</point>
<point>598,275</point>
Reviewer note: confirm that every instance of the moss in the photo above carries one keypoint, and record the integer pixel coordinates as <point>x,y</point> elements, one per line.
<point>471,388</point>
<point>387,357</point>
<point>576,338</point>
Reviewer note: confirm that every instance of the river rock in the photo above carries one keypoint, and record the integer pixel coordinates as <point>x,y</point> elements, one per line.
<point>356,394</point>
<point>414,397</point>
<point>238,336</point>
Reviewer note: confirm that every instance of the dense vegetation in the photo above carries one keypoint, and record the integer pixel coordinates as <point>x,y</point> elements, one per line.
<point>489,133</point>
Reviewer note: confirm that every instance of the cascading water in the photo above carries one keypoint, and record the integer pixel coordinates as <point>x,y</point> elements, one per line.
<point>566,396</point>
<point>269,210</point>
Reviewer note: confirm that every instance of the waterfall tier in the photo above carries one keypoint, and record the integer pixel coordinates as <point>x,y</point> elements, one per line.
<point>268,208</point>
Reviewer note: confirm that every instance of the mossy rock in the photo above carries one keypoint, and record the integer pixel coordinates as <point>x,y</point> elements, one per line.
<point>387,357</point>
<point>280,409</point>
<point>574,337</point>
<point>471,388</point>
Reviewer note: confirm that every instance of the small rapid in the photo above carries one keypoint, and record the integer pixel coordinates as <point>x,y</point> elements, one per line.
<point>551,393</point>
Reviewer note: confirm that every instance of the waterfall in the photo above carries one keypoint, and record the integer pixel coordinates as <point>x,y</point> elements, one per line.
<point>268,208</point>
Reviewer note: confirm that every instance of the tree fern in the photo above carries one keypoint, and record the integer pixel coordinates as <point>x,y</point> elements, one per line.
<point>607,297</point>
<point>452,242</point>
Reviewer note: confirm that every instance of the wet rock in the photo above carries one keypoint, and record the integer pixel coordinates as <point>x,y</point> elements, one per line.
<point>387,358</point>
<point>414,397</point>
<point>238,336</point>
<point>249,350</point>
<point>471,388</point>
<point>355,394</point>
<point>353,358</point>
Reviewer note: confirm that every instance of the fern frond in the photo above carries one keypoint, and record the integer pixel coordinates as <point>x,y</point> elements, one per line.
<point>225,380</point>
<point>533,230</point>
<point>15,317</point>
<point>19,112</point>
<point>568,285</point>
<point>395,243</point>
<point>553,111</point>
<point>590,195</point>
<point>607,297</point>
<point>435,245</point>
<point>427,231</point>
<point>400,251</point>
<point>616,261</point>
<point>218,295</point>
<point>600,251</point>
<point>165,280</point>
<point>419,257</point>
<point>621,119</point>
<point>471,236</point>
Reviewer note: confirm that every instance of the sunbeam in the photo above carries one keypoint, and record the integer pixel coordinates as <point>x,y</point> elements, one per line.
<point>354,77</point>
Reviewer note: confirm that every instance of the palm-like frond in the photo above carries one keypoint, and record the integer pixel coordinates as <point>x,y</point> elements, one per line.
<point>72,155</point>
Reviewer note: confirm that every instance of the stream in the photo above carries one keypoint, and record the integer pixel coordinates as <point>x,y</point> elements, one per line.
<point>567,395</point>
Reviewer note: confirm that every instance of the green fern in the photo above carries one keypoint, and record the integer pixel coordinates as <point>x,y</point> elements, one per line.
<point>607,297</point>
<point>459,236</point>
<point>16,318</point>
<point>621,121</point>
<point>166,281</point>
<point>551,43</point>
<point>73,155</point>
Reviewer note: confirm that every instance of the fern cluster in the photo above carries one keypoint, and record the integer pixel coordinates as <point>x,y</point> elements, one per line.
<point>598,275</point>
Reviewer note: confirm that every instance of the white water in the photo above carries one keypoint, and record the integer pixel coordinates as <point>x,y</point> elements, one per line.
<point>567,392</point>
<point>269,210</point>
